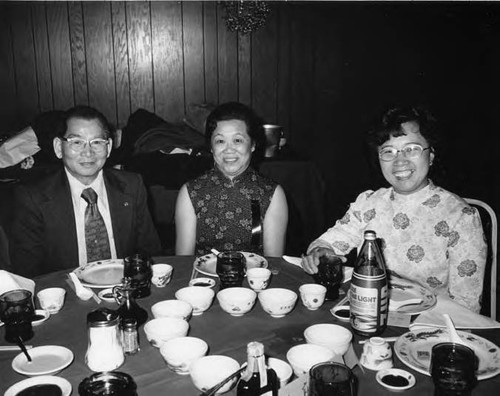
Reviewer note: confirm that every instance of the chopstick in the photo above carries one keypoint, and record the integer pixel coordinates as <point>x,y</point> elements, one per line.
<point>214,389</point>
<point>23,348</point>
<point>7,348</point>
<point>388,339</point>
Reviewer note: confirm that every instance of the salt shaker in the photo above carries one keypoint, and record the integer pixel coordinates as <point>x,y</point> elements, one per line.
<point>104,351</point>
<point>130,336</point>
<point>377,354</point>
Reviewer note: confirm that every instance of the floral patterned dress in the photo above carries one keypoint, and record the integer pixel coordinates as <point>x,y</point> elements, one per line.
<point>223,209</point>
<point>432,237</point>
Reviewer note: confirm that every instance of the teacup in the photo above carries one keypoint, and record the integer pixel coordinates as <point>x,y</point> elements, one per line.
<point>258,278</point>
<point>312,295</point>
<point>162,273</point>
<point>51,299</point>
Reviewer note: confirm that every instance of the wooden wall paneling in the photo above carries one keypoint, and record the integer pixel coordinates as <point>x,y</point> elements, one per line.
<point>44,78</point>
<point>167,59</point>
<point>302,95</point>
<point>8,108</point>
<point>210,21</point>
<point>192,30</point>
<point>100,63</point>
<point>227,61</point>
<point>78,53</point>
<point>24,59</point>
<point>264,68</point>
<point>121,59</point>
<point>245,68</point>
<point>284,79</point>
<point>60,55</point>
<point>140,56</point>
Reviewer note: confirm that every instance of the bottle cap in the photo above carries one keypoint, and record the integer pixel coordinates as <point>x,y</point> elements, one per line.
<point>128,323</point>
<point>370,235</point>
<point>255,348</point>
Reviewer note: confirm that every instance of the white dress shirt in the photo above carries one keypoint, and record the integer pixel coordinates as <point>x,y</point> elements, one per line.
<point>79,207</point>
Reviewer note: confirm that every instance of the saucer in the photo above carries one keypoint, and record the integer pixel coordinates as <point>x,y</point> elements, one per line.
<point>62,383</point>
<point>48,359</point>
<point>395,379</point>
<point>44,315</point>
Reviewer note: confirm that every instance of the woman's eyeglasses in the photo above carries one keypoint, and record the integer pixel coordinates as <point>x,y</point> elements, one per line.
<point>411,151</point>
<point>77,144</point>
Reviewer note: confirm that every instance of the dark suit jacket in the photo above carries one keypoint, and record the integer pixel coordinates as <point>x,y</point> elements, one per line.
<point>44,232</point>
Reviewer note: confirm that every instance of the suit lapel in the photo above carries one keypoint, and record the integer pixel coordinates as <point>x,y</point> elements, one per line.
<point>58,207</point>
<point>120,205</point>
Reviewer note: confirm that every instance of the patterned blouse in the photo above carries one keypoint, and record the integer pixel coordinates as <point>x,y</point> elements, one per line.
<point>432,237</point>
<point>224,211</point>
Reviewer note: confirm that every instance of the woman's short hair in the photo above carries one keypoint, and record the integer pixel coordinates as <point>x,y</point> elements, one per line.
<point>389,125</point>
<point>236,111</point>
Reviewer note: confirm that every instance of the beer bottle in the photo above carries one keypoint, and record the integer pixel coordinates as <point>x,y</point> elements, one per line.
<point>369,289</point>
<point>257,379</point>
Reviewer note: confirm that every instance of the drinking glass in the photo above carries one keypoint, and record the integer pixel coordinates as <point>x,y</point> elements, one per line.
<point>330,275</point>
<point>231,268</point>
<point>17,311</point>
<point>138,269</point>
<point>331,378</point>
<point>453,369</point>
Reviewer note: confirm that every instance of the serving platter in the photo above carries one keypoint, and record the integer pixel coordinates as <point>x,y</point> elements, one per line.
<point>414,349</point>
<point>400,290</point>
<point>206,264</point>
<point>101,274</point>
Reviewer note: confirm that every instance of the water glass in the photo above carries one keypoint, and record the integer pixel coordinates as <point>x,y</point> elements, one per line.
<point>231,268</point>
<point>138,269</point>
<point>453,369</point>
<point>17,311</point>
<point>330,275</point>
<point>331,378</point>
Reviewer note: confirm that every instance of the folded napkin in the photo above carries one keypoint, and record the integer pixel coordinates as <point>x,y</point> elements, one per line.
<point>461,316</point>
<point>10,281</point>
<point>297,260</point>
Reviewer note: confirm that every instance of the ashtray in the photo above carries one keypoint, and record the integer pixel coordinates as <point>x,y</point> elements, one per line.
<point>342,312</point>
<point>203,282</point>
<point>395,379</point>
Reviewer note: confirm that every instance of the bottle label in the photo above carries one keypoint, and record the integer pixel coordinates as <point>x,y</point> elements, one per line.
<point>368,300</point>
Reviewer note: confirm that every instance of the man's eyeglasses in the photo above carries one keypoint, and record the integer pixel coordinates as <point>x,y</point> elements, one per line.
<point>411,151</point>
<point>77,144</point>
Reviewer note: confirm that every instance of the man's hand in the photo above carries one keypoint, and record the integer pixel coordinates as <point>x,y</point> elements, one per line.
<point>311,261</point>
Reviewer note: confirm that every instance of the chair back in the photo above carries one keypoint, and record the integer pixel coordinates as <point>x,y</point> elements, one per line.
<point>490,226</point>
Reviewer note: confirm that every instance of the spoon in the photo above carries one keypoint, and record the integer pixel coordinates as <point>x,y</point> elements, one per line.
<point>395,305</point>
<point>82,292</point>
<point>454,337</point>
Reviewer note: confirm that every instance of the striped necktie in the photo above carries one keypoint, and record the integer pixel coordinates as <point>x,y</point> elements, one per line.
<point>96,235</point>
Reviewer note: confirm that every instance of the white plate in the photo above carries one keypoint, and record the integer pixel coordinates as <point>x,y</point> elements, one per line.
<point>48,359</point>
<point>41,380</point>
<point>101,274</point>
<point>396,373</point>
<point>414,349</point>
<point>401,290</point>
<point>206,264</point>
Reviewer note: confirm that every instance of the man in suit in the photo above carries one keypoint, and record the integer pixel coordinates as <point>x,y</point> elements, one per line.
<point>81,212</point>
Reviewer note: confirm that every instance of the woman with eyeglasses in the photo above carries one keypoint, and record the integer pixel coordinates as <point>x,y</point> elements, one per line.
<point>429,235</point>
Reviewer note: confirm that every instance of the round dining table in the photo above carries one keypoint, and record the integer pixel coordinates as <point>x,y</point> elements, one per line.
<point>225,335</point>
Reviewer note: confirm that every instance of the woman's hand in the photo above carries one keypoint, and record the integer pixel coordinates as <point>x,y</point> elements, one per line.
<point>311,261</point>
